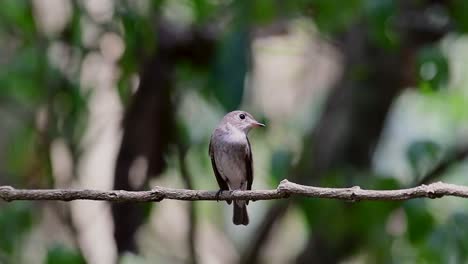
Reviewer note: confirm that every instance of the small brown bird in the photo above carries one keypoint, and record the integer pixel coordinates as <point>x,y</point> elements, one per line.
<point>231,158</point>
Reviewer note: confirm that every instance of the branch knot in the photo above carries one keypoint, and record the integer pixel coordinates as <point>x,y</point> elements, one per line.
<point>283,187</point>
<point>354,194</point>
<point>5,191</point>
<point>156,194</point>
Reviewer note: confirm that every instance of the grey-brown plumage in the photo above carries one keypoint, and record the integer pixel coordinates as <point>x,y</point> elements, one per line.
<point>231,158</point>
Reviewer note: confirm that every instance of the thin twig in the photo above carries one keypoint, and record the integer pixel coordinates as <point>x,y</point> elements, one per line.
<point>284,190</point>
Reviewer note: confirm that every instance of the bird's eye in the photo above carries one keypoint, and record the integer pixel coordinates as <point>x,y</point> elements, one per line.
<point>242,116</point>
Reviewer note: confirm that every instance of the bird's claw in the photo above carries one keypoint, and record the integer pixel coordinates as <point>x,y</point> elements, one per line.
<point>218,193</point>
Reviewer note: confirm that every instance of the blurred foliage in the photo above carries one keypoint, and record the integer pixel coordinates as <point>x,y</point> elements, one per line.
<point>280,165</point>
<point>433,68</point>
<point>446,242</point>
<point>16,220</point>
<point>231,68</point>
<point>21,151</point>
<point>420,221</point>
<point>47,100</point>
<point>60,254</point>
<point>379,13</point>
<point>459,13</point>
<point>231,65</point>
<point>140,42</point>
<point>333,16</point>
<point>422,155</point>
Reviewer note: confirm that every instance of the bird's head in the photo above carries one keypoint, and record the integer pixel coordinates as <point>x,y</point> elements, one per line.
<point>241,120</point>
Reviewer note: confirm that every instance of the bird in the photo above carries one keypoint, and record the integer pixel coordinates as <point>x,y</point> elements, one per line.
<point>231,158</point>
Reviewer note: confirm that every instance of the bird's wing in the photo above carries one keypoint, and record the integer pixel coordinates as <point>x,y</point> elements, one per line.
<point>249,166</point>
<point>221,182</point>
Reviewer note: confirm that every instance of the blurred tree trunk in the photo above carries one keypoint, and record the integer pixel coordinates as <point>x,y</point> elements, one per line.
<point>146,134</point>
<point>149,124</point>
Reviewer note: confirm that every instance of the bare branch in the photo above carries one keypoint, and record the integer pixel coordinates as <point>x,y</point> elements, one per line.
<point>443,166</point>
<point>284,190</point>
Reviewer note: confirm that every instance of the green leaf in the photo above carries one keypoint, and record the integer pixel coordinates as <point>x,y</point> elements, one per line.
<point>60,254</point>
<point>447,243</point>
<point>422,155</point>
<point>21,80</point>
<point>231,68</point>
<point>204,10</point>
<point>264,11</point>
<point>18,13</point>
<point>433,68</point>
<point>70,109</point>
<point>333,16</point>
<point>419,219</point>
<point>15,220</point>
<point>280,165</point>
<point>124,89</point>
<point>459,10</point>
<point>459,228</point>
<point>379,13</point>
<point>139,38</point>
<point>232,58</point>
<point>21,150</point>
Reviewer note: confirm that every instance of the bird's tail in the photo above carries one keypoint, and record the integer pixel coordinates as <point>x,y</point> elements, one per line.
<point>240,216</point>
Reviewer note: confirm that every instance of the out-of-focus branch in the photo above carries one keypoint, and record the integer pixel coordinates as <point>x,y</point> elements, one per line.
<point>443,166</point>
<point>149,119</point>
<point>284,190</point>
<point>262,233</point>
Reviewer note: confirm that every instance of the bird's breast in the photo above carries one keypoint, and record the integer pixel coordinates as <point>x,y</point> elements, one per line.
<point>230,153</point>
<point>234,138</point>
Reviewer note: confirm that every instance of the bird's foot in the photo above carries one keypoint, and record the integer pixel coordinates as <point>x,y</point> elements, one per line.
<point>218,193</point>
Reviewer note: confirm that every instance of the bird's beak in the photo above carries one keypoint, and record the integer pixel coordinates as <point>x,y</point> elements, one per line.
<point>257,124</point>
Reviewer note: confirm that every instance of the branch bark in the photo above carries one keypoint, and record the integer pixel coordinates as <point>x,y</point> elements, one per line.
<point>284,190</point>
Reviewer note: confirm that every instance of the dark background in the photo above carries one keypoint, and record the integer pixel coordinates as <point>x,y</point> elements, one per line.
<point>109,94</point>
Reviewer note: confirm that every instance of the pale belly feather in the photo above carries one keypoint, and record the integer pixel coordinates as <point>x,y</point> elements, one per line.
<point>230,160</point>
<point>232,170</point>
